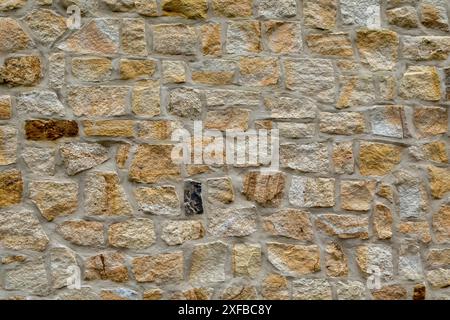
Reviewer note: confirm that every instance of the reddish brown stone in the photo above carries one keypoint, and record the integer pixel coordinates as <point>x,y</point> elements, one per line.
<point>50,129</point>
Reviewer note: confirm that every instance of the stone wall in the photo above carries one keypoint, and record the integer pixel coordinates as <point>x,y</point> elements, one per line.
<point>357,89</point>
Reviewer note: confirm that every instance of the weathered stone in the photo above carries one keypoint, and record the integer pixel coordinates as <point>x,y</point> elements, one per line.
<point>51,130</point>
<point>333,44</point>
<point>158,200</point>
<point>385,191</point>
<point>441,224</point>
<point>392,292</point>
<point>99,36</point>
<point>409,261</point>
<point>54,198</point>
<point>56,70</point>
<point>419,292</point>
<point>208,262</point>
<point>237,291</point>
<point>21,71</point>
<point>430,121</point>
<point>378,48</point>
<point>220,191</point>
<point>387,85</point>
<point>343,159</point>
<point>21,230</point>
<point>211,38</point>
<point>259,71</point>
<point>5,107</point>
<point>403,17</point>
<point>439,181</point>
<point>39,103</point>
<point>382,221</point>
<point>92,69</point>
<point>311,289</point>
<point>185,103</point>
<point>119,5</point>
<point>378,159</point>
<point>106,266</point>
<point>146,99</point>
<point>433,151</point>
<point>109,128</point>
<point>290,108</point>
<point>132,234</point>
<point>234,222</point>
<point>413,198</point>
<point>356,91</point>
<point>104,195</point>
<point>362,13</point>
<point>350,290</point>
<point>119,294</point>
<point>320,14</point>
<point>311,78</point>
<point>426,48</point>
<point>434,14</point>
<point>312,192</point>
<point>193,294</point>
<point>294,260</point>
<point>152,294</point>
<point>369,257</point>
<point>233,8</point>
<point>11,187</point>
<point>174,39</point>
<point>336,262</point>
<point>193,202</point>
<point>229,119</point>
<point>213,72</point>
<point>342,123</point>
<point>157,129</point>
<point>40,159</point>
<point>153,163</point>
<point>122,154</point>
<point>277,8</point>
<point>174,71</point>
<point>312,157</point>
<point>243,37</point>
<point>439,278</point>
<point>296,130</point>
<point>265,189</point>
<point>133,41</point>
<point>179,232</point>
<point>98,100</point>
<point>82,233</point>
<point>344,226</point>
<point>133,69</point>
<point>283,37</point>
<point>8,5</point>
<point>416,230</point>
<point>61,260</point>
<point>46,25</point>
<point>290,223</point>
<point>81,156</point>
<point>29,277</point>
<point>275,287</point>
<point>438,257</point>
<point>388,121</point>
<point>246,260</point>
<point>13,37</point>
<point>231,98</point>
<point>357,195</point>
<point>191,9</point>
<point>8,145</point>
<point>421,82</point>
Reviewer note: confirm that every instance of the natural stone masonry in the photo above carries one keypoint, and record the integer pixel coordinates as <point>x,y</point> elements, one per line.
<point>358,89</point>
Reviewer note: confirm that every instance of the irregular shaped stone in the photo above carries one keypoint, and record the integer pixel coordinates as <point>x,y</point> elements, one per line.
<point>153,163</point>
<point>243,37</point>
<point>290,223</point>
<point>109,128</point>
<point>104,195</point>
<point>39,103</point>
<point>361,13</point>
<point>275,287</point>
<point>231,119</point>
<point>161,268</point>
<point>193,202</point>
<point>385,191</point>
<point>259,71</point>
<point>11,187</point>
<point>296,130</point>
<point>106,266</point>
<point>54,198</point>
<point>438,257</point>
<point>220,191</point>
<point>21,71</point>
<point>246,260</point>
<point>311,78</point>
<point>5,107</point>
<point>193,294</point>
<point>122,153</point>
<point>174,39</point>
<point>382,221</point>
<point>92,68</point>
<point>403,17</point>
<point>56,70</point>
<point>392,292</point>
<point>290,108</point>
<point>146,99</point>
<point>350,290</point>
<point>99,36</point>
<point>344,226</point>
<point>233,8</point>
<point>8,5</point>
<point>231,98</point>
<point>12,36</point>
<point>378,159</point>
<point>152,294</point>
<point>439,181</point>
<point>419,292</point>
<point>61,260</point>
<point>277,8</point>
<point>320,14</point>
<point>208,262</point>
<point>120,5</point>
<point>191,9</point>
<point>333,44</point>
<point>174,71</point>
<point>343,159</point>
<point>185,103</point>
<point>8,145</point>
<point>158,200</point>
<point>430,121</point>
<point>81,156</point>
<point>369,257</point>
<point>336,262</point>
<point>311,289</point>
<point>388,121</point>
<point>413,198</point>
<point>40,159</point>
<point>133,69</point>
<point>21,230</point>
<point>46,25</point>
<point>119,294</point>
<point>312,157</point>
<point>50,130</point>
<point>434,14</point>
<point>433,151</point>
<point>82,233</point>
<point>179,232</point>
<point>421,82</point>
<point>342,123</point>
<point>133,41</point>
<point>441,224</point>
<point>356,91</point>
<point>426,48</point>
<point>211,38</point>
<point>28,277</point>
<point>378,49</point>
<point>312,192</point>
<point>416,230</point>
<point>237,291</point>
<point>294,260</point>
<point>357,195</point>
<point>234,222</point>
<point>265,189</point>
<point>98,100</point>
<point>283,37</point>
<point>213,72</point>
<point>132,234</point>
<point>439,278</point>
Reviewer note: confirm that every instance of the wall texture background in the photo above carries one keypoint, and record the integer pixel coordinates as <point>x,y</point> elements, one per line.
<point>358,90</point>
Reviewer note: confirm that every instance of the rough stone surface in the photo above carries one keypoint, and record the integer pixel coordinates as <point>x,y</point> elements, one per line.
<point>81,156</point>
<point>82,233</point>
<point>132,234</point>
<point>179,232</point>
<point>11,187</point>
<point>208,262</point>
<point>158,200</point>
<point>290,223</point>
<point>312,192</point>
<point>161,268</point>
<point>294,260</point>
